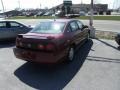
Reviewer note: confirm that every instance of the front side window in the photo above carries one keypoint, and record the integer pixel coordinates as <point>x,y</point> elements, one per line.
<point>13,24</point>
<point>49,27</point>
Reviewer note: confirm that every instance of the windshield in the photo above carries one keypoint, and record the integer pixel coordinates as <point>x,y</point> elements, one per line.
<point>49,27</point>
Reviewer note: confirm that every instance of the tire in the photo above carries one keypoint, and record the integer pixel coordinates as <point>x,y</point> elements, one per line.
<point>71,54</point>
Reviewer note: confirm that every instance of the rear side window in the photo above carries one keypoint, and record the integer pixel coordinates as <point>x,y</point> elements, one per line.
<point>13,24</point>
<point>74,26</point>
<point>2,25</point>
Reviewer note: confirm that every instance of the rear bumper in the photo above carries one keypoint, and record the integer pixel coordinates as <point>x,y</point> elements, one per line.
<point>37,56</point>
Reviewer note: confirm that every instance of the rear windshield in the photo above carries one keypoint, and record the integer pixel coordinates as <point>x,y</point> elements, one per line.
<point>49,27</point>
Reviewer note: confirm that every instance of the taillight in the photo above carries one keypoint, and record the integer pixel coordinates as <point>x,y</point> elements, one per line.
<point>50,47</point>
<point>20,36</point>
<point>42,47</point>
<point>18,43</point>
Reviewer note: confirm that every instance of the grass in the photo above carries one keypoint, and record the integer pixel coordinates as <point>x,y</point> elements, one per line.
<point>116,18</point>
<point>105,35</point>
<point>32,17</point>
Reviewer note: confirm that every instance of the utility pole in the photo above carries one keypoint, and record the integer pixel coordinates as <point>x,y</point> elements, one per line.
<point>19,4</point>
<point>92,29</point>
<point>40,5</point>
<point>3,9</point>
<point>81,2</point>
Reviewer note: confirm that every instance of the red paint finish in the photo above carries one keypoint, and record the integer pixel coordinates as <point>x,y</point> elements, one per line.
<point>48,47</point>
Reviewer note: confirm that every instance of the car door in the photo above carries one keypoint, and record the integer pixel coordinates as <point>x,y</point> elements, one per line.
<point>5,31</point>
<point>18,28</point>
<point>75,32</point>
<point>2,30</point>
<point>82,33</point>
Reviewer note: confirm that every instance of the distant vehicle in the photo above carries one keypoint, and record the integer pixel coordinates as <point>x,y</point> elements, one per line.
<point>58,13</point>
<point>10,29</point>
<point>40,13</point>
<point>1,17</point>
<point>48,13</point>
<point>51,41</point>
<point>94,13</point>
<point>82,13</point>
<point>117,38</point>
<point>29,14</point>
<point>72,15</point>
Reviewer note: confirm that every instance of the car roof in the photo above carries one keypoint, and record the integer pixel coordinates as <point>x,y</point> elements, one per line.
<point>7,21</point>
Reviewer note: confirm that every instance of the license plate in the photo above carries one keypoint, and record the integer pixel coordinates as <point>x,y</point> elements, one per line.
<point>29,55</point>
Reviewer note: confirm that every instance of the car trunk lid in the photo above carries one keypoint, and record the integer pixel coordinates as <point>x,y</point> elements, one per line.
<point>43,42</point>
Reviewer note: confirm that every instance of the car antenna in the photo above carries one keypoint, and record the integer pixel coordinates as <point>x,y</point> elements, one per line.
<point>54,16</point>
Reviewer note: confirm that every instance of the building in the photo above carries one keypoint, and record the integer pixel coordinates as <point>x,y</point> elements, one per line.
<point>76,8</point>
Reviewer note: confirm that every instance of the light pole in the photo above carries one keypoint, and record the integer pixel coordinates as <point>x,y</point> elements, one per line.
<point>92,29</point>
<point>19,4</point>
<point>3,8</point>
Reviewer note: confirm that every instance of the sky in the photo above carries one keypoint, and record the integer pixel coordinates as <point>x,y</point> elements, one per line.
<point>27,4</point>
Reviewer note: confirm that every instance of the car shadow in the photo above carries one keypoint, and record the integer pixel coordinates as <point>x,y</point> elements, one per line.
<point>103,59</point>
<point>6,44</point>
<point>117,48</point>
<point>53,77</point>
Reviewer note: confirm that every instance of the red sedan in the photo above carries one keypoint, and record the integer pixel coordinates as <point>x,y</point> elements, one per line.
<point>50,41</point>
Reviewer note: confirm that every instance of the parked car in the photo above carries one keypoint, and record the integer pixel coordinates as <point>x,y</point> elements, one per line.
<point>72,15</point>
<point>117,38</point>
<point>30,14</point>
<point>10,29</point>
<point>82,13</point>
<point>48,13</point>
<point>50,41</point>
<point>40,13</point>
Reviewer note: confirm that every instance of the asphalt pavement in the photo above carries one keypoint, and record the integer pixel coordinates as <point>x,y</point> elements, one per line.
<point>96,67</point>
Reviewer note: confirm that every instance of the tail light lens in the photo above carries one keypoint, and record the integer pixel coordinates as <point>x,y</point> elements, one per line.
<point>50,47</point>
<point>42,47</point>
<point>20,36</point>
<point>18,39</point>
<point>18,43</point>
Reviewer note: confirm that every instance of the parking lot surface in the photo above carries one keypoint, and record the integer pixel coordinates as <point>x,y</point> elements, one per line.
<point>96,67</point>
